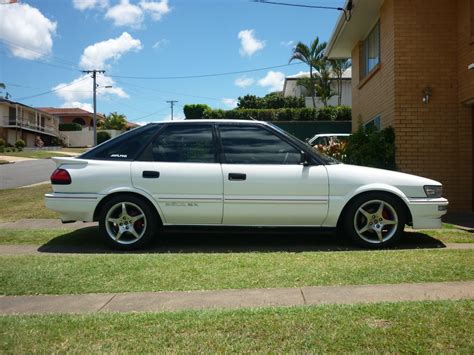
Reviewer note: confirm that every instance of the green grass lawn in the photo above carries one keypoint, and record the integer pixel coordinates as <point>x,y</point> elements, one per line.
<point>407,327</point>
<point>25,203</point>
<point>82,273</point>
<point>35,154</point>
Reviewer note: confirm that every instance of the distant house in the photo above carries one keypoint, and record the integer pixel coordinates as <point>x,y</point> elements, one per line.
<point>73,115</point>
<point>291,88</point>
<point>19,121</point>
<point>410,61</point>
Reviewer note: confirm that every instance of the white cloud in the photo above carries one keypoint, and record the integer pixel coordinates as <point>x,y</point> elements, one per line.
<point>161,43</point>
<point>156,8</point>
<point>90,4</point>
<point>95,56</point>
<point>274,81</point>
<point>26,31</point>
<point>80,89</point>
<point>287,43</point>
<point>231,103</point>
<point>77,104</point>
<point>125,14</point>
<point>244,82</point>
<point>249,45</point>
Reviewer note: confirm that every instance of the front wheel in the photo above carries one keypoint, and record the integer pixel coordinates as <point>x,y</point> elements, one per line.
<point>375,220</point>
<point>127,223</point>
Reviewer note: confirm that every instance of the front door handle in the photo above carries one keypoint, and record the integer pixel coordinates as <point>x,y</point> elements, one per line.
<point>237,177</point>
<point>150,174</point>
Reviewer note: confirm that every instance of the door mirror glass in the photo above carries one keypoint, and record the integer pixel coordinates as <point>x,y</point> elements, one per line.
<point>304,158</point>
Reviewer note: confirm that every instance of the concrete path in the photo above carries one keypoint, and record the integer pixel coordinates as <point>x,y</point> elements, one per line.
<point>13,159</point>
<point>233,299</point>
<point>25,173</point>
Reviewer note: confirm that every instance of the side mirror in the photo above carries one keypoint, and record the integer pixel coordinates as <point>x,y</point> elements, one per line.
<point>305,159</point>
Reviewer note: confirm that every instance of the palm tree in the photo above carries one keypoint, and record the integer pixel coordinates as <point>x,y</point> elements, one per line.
<point>115,121</point>
<point>338,67</point>
<point>312,56</point>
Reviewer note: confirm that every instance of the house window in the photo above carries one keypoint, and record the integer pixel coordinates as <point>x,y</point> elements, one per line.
<point>79,120</point>
<point>374,122</point>
<point>371,51</point>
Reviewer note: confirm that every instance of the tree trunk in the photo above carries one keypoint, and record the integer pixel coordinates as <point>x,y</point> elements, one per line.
<point>312,83</point>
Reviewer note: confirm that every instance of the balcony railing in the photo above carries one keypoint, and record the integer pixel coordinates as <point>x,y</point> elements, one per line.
<point>7,121</point>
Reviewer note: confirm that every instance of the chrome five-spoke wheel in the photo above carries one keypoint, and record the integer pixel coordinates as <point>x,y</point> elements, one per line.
<point>375,219</point>
<point>125,223</point>
<point>128,222</point>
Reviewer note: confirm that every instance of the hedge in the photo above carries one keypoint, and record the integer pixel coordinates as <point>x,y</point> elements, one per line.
<point>331,113</point>
<point>70,127</point>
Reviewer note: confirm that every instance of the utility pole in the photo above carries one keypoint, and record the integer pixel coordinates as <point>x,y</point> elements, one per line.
<point>94,77</point>
<point>172,102</point>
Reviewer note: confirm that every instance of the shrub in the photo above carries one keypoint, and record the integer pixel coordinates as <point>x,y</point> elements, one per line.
<point>57,141</point>
<point>70,127</point>
<point>2,142</point>
<point>102,136</point>
<point>370,147</point>
<point>195,112</point>
<point>20,144</point>
<point>214,114</point>
<point>270,101</point>
<point>336,150</point>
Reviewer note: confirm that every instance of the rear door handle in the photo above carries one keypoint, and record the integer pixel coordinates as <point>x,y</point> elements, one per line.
<point>151,174</point>
<point>237,177</point>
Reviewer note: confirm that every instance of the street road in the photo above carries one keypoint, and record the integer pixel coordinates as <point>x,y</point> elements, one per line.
<point>25,173</point>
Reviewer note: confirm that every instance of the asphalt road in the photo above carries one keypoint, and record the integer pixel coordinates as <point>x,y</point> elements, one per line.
<point>25,173</point>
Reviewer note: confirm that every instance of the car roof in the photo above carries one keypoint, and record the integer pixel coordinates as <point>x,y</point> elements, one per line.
<point>209,121</point>
<point>331,134</point>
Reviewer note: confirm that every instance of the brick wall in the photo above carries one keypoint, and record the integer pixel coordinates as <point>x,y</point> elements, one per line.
<point>423,45</point>
<point>374,95</point>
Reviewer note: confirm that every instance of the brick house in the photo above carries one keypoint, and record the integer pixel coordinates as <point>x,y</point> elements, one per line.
<point>73,115</point>
<point>410,70</point>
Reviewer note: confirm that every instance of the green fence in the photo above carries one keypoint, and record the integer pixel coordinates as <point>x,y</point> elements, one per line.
<point>308,129</point>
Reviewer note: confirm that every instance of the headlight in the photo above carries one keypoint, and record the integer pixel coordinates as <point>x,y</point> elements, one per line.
<point>433,191</point>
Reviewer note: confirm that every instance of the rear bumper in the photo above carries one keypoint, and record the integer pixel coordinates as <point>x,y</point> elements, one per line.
<point>72,207</point>
<point>427,212</point>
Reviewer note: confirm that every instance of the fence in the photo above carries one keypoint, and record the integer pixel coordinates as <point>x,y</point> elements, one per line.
<point>308,129</point>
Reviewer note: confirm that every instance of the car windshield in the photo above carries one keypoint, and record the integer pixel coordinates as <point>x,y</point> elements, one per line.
<point>326,159</point>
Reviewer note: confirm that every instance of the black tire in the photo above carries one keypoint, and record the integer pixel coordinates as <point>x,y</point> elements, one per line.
<point>364,212</point>
<point>132,234</point>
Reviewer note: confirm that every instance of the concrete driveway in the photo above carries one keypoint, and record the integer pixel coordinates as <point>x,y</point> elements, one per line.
<point>26,172</point>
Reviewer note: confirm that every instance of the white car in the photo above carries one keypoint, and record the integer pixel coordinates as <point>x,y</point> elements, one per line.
<point>234,173</point>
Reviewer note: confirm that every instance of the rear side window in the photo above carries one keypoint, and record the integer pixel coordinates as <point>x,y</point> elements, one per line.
<point>124,147</point>
<point>255,145</point>
<point>185,143</point>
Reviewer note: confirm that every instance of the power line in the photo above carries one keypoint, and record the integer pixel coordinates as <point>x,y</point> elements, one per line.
<point>50,91</point>
<point>298,5</point>
<point>150,114</point>
<point>202,75</point>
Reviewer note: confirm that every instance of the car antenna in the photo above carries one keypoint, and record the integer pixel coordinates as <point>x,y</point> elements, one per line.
<point>253,119</point>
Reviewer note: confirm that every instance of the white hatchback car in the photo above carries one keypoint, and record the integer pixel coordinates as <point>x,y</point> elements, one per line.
<point>233,173</point>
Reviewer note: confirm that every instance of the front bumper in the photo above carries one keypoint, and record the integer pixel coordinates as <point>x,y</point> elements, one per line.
<point>71,206</point>
<point>427,212</point>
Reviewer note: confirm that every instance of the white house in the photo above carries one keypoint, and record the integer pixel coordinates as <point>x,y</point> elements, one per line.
<point>291,88</point>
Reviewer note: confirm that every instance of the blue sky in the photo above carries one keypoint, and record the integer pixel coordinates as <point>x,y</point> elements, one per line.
<point>44,45</point>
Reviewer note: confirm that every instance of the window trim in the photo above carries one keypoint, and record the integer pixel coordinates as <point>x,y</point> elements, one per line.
<point>364,49</point>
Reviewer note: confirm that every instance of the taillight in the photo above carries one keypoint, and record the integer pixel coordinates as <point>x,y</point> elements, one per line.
<point>60,177</point>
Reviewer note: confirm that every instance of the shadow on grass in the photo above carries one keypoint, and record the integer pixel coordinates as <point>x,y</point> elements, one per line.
<point>88,240</point>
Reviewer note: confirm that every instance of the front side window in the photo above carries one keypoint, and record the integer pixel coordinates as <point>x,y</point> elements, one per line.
<point>371,50</point>
<point>185,143</point>
<point>248,144</point>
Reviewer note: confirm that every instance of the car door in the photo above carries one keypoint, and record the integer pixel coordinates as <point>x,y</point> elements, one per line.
<point>181,171</point>
<point>265,182</point>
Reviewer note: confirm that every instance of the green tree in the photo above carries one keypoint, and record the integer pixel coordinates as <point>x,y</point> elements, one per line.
<point>323,83</point>
<point>250,101</point>
<point>195,111</point>
<point>312,56</point>
<point>115,121</point>
<point>338,67</point>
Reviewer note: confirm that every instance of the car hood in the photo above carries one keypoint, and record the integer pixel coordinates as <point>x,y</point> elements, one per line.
<point>348,177</point>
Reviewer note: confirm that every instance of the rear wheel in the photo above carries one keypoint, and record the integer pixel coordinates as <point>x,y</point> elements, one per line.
<point>375,220</point>
<point>127,222</point>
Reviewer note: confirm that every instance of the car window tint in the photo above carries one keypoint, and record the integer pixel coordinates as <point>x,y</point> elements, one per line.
<point>124,147</point>
<point>256,145</point>
<point>185,143</point>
